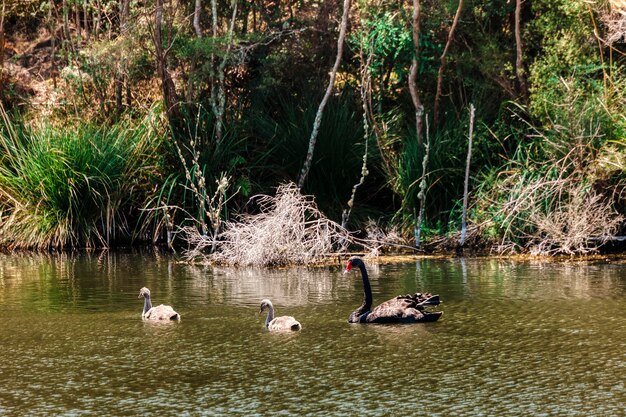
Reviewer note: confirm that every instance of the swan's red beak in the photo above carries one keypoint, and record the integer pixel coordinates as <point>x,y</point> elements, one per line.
<point>348,267</point>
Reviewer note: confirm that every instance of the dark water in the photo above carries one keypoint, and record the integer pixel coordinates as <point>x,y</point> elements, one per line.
<point>516,339</point>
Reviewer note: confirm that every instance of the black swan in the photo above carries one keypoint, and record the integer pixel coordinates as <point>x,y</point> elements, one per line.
<point>278,323</point>
<point>402,309</point>
<point>161,312</point>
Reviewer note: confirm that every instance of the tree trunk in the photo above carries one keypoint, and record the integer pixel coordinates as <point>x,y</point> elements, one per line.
<point>519,64</point>
<point>212,68</point>
<point>221,92</point>
<point>467,170</point>
<point>366,81</point>
<point>124,12</point>
<point>96,24</point>
<point>421,196</point>
<point>196,18</point>
<point>66,25</point>
<point>170,98</point>
<point>419,109</point>
<point>85,20</point>
<point>442,64</point>
<point>122,66</point>
<point>2,45</point>
<point>320,111</point>
<point>77,22</point>
<point>53,21</point>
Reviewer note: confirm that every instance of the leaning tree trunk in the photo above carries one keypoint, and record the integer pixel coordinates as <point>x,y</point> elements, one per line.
<point>417,103</point>
<point>320,111</point>
<point>442,63</point>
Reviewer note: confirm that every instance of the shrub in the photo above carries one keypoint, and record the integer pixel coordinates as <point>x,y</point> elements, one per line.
<point>71,187</point>
<point>289,230</point>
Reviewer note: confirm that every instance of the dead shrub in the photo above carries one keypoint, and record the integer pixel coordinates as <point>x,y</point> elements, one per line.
<point>381,239</point>
<point>288,230</point>
<point>578,226</point>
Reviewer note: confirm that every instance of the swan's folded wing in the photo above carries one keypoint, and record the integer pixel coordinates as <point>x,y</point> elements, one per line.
<point>162,312</point>
<point>284,323</point>
<point>396,310</point>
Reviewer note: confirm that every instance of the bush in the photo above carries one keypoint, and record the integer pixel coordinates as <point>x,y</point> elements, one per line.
<point>71,187</point>
<point>289,230</point>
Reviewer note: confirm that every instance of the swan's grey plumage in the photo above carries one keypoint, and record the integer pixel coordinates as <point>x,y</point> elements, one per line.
<point>278,323</point>
<point>402,309</point>
<point>160,312</point>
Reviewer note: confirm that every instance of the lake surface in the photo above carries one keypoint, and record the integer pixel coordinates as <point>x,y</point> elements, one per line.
<point>516,339</point>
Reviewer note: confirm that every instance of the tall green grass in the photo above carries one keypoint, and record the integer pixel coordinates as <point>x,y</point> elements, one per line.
<point>72,187</point>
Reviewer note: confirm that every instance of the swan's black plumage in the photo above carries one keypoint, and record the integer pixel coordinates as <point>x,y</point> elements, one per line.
<point>401,309</point>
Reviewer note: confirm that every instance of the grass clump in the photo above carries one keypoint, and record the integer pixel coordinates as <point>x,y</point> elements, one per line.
<point>71,187</point>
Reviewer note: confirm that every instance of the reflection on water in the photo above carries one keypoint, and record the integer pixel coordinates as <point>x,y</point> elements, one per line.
<point>516,338</point>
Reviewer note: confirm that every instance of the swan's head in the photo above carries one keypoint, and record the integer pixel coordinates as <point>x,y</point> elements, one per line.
<point>352,262</point>
<point>144,292</point>
<point>265,304</point>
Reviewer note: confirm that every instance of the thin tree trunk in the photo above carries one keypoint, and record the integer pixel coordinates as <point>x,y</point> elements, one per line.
<point>320,111</point>
<point>124,12</point>
<point>253,5</point>
<point>419,109</point>
<point>221,93</point>
<point>366,81</point>
<point>53,31</point>
<point>421,196</point>
<point>196,18</point>
<point>467,171</point>
<point>245,11</point>
<point>77,21</point>
<point>85,19</point>
<point>189,93</point>
<point>121,68</point>
<point>98,18</point>
<point>442,64</point>
<point>212,68</point>
<point>66,26</point>
<point>2,45</point>
<point>519,64</point>
<point>167,84</point>
<point>377,131</point>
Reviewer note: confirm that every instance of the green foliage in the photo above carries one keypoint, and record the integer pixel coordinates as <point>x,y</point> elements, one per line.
<point>198,164</point>
<point>568,62</point>
<point>72,187</point>
<point>283,133</point>
<point>570,128</point>
<point>386,33</point>
<point>445,173</point>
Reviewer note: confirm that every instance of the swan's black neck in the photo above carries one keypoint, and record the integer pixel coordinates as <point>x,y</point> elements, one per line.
<point>147,304</point>
<point>358,314</point>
